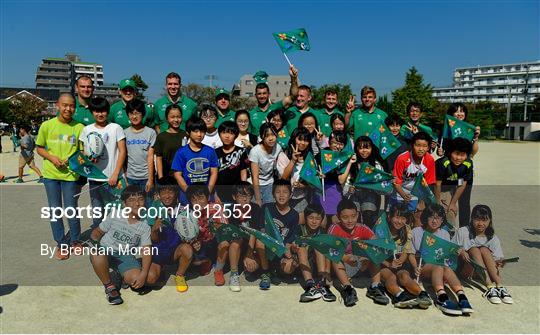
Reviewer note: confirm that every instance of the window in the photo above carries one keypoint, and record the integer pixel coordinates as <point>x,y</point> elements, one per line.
<point>249,82</point>
<point>285,82</point>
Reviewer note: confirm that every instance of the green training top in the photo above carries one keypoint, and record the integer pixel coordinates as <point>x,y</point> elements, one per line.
<point>189,108</point>
<point>258,116</point>
<point>82,114</point>
<point>228,116</point>
<point>323,118</point>
<point>119,115</point>
<point>363,122</point>
<point>293,115</point>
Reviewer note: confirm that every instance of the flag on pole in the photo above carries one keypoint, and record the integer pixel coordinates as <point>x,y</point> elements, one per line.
<point>82,166</point>
<point>421,189</point>
<point>331,160</point>
<point>454,128</point>
<point>293,40</point>
<point>384,140</point>
<point>377,250</point>
<point>375,179</point>
<point>332,247</point>
<point>309,172</point>
<point>435,250</point>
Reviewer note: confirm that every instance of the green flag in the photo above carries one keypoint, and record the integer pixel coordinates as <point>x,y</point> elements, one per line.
<point>384,140</point>
<point>229,232</point>
<point>82,166</point>
<point>293,40</point>
<point>374,179</point>
<point>331,160</point>
<point>435,250</point>
<point>274,246</point>
<point>380,228</point>
<point>332,247</point>
<point>454,127</point>
<point>377,250</point>
<point>309,172</point>
<point>115,193</point>
<point>407,134</point>
<point>283,138</point>
<point>421,189</point>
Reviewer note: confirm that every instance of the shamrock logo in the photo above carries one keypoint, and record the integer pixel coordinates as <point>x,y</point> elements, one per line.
<point>430,241</point>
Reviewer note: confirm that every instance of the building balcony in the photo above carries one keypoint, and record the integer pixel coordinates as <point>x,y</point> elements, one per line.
<point>64,74</point>
<point>52,81</point>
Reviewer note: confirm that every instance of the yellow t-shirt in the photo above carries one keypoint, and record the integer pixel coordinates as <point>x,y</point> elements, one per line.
<point>61,140</point>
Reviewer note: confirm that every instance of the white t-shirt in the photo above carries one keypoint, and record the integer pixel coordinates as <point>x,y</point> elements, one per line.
<point>120,232</point>
<point>463,239</point>
<point>418,233</point>
<point>265,161</point>
<point>212,140</point>
<point>281,164</point>
<point>111,134</point>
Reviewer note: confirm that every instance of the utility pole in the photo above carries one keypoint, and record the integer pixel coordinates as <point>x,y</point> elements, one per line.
<point>508,109</point>
<point>525,92</point>
<point>210,78</point>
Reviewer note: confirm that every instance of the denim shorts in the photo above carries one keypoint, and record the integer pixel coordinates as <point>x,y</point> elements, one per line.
<point>124,263</point>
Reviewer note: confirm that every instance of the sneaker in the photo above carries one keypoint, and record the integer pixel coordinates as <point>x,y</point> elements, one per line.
<point>205,268</point>
<point>116,278</point>
<point>327,294</point>
<point>113,296</point>
<point>349,296</point>
<point>423,300</point>
<point>219,280</point>
<point>60,256</point>
<point>181,284</point>
<point>265,282</point>
<point>448,307</point>
<point>311,293</point>
<point>504,295</point>
<point>465,306</point>
<point>492,295</point>
<point>234,283</point>
<point>405,300</point>
<point>377,295</point>
<point>19,181</point>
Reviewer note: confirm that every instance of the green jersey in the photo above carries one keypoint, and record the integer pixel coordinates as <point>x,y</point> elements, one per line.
<point>227,116</point>
<point>82,114</point>
<point>258,116</point>
<point>61,140</point>
<point>362,122</point>
<point>323,118</point>
<point>189,107</point>
<point>119,115</point>
<point>293,115</point>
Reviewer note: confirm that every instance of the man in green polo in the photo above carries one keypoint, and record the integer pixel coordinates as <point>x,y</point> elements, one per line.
<point>128,91</point>
<point>262,94</point>
<point>330,108</point>
<point>84,87</point>
<point>173,85</point>
<point>301,106</point>
<point>363,120</point>
<point>223,102</point>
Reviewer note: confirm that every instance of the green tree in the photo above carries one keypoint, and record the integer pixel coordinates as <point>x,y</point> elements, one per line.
<point>343,91</point>
<point>242,103</point>
<point>22,108</point>
<point>384,104</point>
<point>141,86</point>
<point>414,90</point>
<point>200,94</point>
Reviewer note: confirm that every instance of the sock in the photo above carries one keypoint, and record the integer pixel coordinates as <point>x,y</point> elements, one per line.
<point>310,283</point>
<point>374,285</point>
<point>219,266</point>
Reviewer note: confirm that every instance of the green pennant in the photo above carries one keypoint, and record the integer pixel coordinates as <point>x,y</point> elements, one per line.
<point>380,228</point>
<point>375,179</point>
<point>332,247</point>
<point>273,246</point>
<point>82,166</point>
<point>283,138</point>
<point>331,160</point>
<point>377,250</point>
<point>454,128</point>
<point>292,40</point>
<point>384,140</point>
<point>407,134</point>
<point>309,172</point>
<point>435,250</point>
<point>229,232</point>
<point>421,189</point>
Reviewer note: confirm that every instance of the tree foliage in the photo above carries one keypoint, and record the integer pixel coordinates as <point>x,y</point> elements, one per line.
<point>22,108</point>
<point>413,90</point>
<point>141,86</point>
<point>384,103</point>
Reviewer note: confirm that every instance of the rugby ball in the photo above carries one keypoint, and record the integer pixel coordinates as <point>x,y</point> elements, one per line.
<point>94,145</point>
<point>187,226</point>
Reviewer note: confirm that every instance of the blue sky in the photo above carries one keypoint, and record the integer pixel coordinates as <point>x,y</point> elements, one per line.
<point>352,42</point>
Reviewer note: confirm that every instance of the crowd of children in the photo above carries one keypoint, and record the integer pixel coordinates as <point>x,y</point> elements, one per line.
<point>254,162</point>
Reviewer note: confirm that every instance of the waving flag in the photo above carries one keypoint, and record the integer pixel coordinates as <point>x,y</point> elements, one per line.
<point>82,166</point>
<point>377,250</point>
<point>332,247</point>
<point>421,189</point>
<point>435,250</point>
<point>454,127</point>
<point>309,172</point>
<point>372,178</point>
<point>331,160</point>
<point>293,40</point>
<point>384,140</point>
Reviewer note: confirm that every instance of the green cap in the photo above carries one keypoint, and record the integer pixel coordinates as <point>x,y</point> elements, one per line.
<point>221,91</point>
<point>127,83</point>
<point>260,77</point>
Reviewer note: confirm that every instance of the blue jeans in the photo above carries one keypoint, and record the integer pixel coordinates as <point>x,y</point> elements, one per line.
<point>56,191</point>
<point>266,193</point>
<point>99,197</point>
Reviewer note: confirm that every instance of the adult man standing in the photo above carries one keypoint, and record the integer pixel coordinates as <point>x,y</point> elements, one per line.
<point>262,94</point>
<point>329,109</point>
<point>223,102</point>
<point>301,106</point>
<point>173,85</point>
<point>366,118</point>
<point>57,140</point>
<point>84,86</point>
<point>128,92</point>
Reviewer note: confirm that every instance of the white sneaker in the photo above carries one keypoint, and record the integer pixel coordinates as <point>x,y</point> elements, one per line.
<point>492,295</point>
<point>504,295</point>
<point>234,283</point>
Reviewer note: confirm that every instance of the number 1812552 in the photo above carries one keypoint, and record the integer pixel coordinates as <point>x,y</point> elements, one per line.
<point>219,211</point>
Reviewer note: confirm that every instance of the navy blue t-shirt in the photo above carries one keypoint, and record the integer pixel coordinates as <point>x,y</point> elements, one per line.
<point>287,224</point>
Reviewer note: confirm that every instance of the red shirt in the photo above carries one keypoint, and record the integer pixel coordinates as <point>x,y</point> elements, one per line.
<point>359,232</point>
<point>405,169</point>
